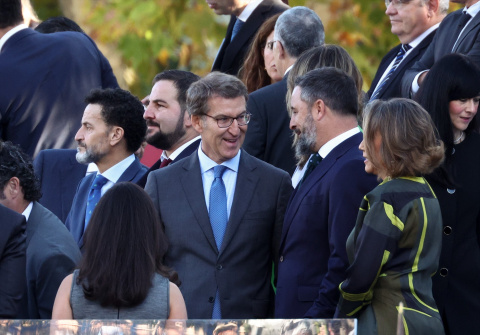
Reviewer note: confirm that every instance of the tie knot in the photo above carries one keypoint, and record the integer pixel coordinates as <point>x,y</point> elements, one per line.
<point>99,182</point>
<point>406,47</point>
<point>218,171</point>
<point>315,159</point>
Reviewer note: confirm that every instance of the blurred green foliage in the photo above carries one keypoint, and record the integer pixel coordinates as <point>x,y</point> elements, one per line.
<point>153,35</point>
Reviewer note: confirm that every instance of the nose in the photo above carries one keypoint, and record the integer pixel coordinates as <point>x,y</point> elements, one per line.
<point>148,114</point>
<point>234,128</point>
<point>391,10</point>
<point>293,123</point>
<point>79,135</point>
<point>471,106</point>
<point>361,146</point>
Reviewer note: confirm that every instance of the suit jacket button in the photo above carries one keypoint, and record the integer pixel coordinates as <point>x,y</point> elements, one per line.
<point>447,230</point>
<point>219,267</point>
<point>450,190</point>
<point>281,258</point>
<point>443,272</point>
<point>211,299</point>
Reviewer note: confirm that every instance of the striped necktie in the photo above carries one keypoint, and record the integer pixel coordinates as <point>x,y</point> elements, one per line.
<point>401,53</point>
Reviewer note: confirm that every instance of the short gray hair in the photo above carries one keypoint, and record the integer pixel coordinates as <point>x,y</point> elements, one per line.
<point>215,84</point>
<point>299,29</point>
<point>443,6</point>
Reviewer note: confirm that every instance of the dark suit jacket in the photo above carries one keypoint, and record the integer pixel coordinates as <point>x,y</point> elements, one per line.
<point>12,262</point>
<point>52,254</point>
<point>468,44</point>
<point>59,173</point>
<point>269,137</point>
<point>393,87</point>
<point>185,153</point>
<point>320,216</point>
<point>243,266</point>
<point>44,80</point>
<point>76,218</point>
<point>231,54</point>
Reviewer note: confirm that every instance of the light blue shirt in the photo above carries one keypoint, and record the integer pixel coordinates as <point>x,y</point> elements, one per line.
<point>229,176</point>
<point>114,173</point>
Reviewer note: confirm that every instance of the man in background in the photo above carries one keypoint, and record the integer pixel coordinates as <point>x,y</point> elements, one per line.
<point>246,18</point>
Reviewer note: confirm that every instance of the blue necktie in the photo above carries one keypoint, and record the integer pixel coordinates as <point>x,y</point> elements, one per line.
<point>401,53</point>
<point>218,220</point>
<point>94,196</point>
<point>236,28</point>
<point>312,164</point>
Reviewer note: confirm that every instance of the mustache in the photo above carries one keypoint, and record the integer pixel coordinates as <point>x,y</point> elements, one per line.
<point>152,123</point>
<point>81,144</point>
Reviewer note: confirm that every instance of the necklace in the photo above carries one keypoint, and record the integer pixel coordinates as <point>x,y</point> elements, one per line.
<point>459,139</point>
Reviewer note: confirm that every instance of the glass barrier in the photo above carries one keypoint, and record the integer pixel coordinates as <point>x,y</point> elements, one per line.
<point>180,327</point>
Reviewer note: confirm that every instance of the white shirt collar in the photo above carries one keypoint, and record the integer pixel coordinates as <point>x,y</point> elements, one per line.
<point>330,145</point>
<point>28,210</point>
<point>206,163</point>
<point>420,38</point>
<point>114,173</point>
<point>473,9</point>
<point>288,69</point>
<point>247,11</point>
<point>10,33</point>
<point>179,150</point>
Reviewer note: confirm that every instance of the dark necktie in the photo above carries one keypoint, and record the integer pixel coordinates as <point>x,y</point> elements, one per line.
<point>165,162</point>
<point>236,28</point>
<point>312,164</point>
<point>464,18</point>
<point>94,196</point>
<point>401,53</point>
<point>218,219</point>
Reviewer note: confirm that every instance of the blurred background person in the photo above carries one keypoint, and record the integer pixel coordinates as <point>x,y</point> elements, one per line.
<point>327,55</point>
<point>395,246</point>
<point>450,93</point>
<point>122,275</point>
<point>259,68</point>
<point>246,17</point>
<point>30,17</point>
<point>51,250</point>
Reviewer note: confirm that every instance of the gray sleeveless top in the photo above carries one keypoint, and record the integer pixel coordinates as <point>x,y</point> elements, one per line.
<point>155,306</point>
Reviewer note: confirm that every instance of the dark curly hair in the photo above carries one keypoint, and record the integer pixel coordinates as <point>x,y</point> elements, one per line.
<point>10,13</point>
<point>15,163</point>
<point>120,108</point>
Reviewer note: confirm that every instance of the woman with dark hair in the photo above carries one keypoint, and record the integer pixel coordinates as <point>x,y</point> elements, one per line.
<point>450,93</point>
<point>259,69</point>
<point>393,249</point>
<point>121,275</point>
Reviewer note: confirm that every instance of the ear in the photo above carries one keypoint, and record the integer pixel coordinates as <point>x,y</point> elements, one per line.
<point>318,110</point>
<point>432,8</point>
<point>13,189</point>
<point>187,120</point>
<point>281,50</point>
<point>116,135</point>
<point>197,123</point>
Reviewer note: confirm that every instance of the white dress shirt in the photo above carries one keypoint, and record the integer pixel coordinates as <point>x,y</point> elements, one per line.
<point>114,173</point>
<point>10,33</point>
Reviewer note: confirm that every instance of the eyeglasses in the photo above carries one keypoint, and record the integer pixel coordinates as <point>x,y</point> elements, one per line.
<point>225,121</point>
<point>396,3</point>
<point>270,44</point>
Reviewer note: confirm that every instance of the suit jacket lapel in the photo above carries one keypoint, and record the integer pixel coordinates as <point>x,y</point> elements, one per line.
<point>246,183</point>
<point>317,174</point>
<point>471,26</point>
<point>131,171</point>
<point>192,184</point>
<point>249,29</point>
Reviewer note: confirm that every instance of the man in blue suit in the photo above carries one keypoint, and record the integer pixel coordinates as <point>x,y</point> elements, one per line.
<point>323,208</point>
<point>44,79</point>
<point>112,130</point>
<point>59,174</point>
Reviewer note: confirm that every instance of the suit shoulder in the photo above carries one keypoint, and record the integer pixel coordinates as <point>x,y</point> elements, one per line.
<point>272,91</point>
<point>264,167</point>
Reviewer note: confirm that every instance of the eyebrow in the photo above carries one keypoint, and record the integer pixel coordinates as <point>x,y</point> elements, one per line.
<point>158,100</point>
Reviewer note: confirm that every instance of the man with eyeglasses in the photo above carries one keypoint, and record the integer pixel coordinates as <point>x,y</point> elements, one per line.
<point>246,17</point>
<point>459,32</point>
<point>415,23</point>
<point>269,137</point>
<point>222,209</point>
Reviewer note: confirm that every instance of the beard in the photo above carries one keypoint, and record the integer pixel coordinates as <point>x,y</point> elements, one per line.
<point>164,141</point>
<point>91,155</point>
<point>305,141</point>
